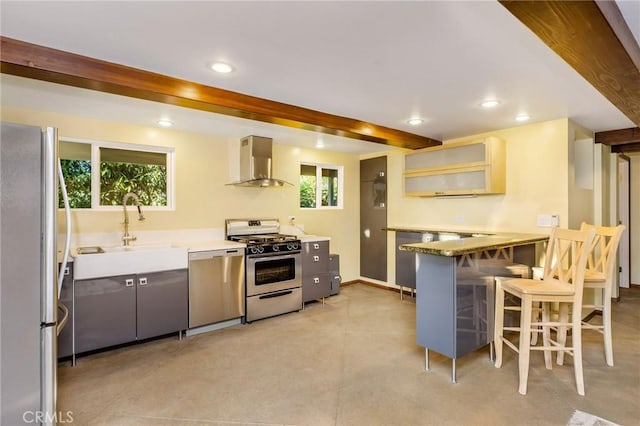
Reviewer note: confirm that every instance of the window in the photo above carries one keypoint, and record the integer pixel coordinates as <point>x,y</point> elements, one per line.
<point>99,174</point>
<point>320,186</point>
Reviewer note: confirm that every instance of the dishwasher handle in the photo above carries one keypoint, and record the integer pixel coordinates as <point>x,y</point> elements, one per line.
<point>203,255</point>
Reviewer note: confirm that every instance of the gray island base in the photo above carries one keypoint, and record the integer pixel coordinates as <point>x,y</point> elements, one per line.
<point>455,289</point>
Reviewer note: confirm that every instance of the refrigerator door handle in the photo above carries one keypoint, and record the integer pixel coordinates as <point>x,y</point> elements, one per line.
<point>49,272</point>
<point>48,376</point>
<point>67,217</point>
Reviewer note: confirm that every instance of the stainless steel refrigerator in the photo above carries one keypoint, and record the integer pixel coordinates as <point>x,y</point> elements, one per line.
<point>28,274</point>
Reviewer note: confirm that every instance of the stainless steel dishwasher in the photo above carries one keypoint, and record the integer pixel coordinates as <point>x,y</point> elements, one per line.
<point>216,286</point>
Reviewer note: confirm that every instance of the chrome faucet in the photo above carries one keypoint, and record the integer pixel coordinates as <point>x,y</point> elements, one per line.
<point>127,238</point>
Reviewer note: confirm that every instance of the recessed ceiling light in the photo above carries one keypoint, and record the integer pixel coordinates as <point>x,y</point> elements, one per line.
<point>415,121</point>
<point>522,117</point>
<point>319,144</point>
<point>490,103</point>
<point>221,67</point>
<point>165,123</point>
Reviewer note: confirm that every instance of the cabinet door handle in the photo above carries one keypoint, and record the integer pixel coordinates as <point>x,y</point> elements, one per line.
<point>316,280</point>
<point>316,258</point>
<point>128,282</point>
<point>142,281</point>
<point>67,270</point>
<point>316,246</point>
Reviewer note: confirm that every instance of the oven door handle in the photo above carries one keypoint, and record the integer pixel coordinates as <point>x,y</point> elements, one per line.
<point>273,256</point>
<point>272,295</point>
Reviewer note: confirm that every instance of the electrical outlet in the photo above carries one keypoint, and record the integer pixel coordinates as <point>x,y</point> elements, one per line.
<point>544,220</point>
<point>548,220</point>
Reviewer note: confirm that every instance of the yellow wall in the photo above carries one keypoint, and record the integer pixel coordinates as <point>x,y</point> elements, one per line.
<point>536,183</point>
<point>203,165</point>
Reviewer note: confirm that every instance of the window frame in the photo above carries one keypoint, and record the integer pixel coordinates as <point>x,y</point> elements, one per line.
<point>319,167</point>
<point>95,171</point>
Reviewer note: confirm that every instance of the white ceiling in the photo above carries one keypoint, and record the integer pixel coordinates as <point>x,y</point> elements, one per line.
<point>381,62</point>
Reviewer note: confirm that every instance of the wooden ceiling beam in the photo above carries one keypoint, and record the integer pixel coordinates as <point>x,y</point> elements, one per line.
<point>56,66</point>
<point>629,148</point>
<point>581,35</point>
<point>623,141</point>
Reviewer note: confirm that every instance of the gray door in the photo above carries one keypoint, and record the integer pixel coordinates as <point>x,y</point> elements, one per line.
<point>373,218</point>
<point>105,312</point>
<point>163,303</point>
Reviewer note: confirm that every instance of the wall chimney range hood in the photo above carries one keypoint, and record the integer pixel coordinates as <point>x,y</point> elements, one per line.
<point>256,163</point>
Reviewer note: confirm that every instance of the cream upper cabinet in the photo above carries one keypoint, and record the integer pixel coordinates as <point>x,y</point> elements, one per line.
<point>462,168</point>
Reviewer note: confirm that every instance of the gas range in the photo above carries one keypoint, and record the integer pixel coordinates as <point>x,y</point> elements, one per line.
<point>273,273</point>
<point>273,243</point>
<point>261,236</point>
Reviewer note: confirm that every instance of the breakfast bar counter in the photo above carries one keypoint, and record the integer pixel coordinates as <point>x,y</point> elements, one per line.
<point>455,287</point>
<point>475,243</point>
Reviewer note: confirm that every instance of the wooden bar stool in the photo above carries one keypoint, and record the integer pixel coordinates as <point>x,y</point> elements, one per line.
<point>562,282</point>
<point>600,274</point>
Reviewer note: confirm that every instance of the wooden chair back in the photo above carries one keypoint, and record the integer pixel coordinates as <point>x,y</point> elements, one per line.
<point>566,258</point>
<point>602,255</point>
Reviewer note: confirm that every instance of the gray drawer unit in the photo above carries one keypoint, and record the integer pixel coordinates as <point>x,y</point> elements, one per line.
<point>316,287</point>
<point>315,257</point>
<point>316,282</point>
<point>65,338</point>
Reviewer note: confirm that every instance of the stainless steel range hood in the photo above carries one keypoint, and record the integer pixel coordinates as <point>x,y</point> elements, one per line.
<point>256,164</point>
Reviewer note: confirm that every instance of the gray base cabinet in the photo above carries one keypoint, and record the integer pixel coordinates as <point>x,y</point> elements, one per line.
<point>454,311</point>
<point>334,273</point>
<point>316,282</point>
<point>114,310</point>
<point>105,312</point>
<point>406,260</point>
<point>162,303</point>
<point>65,338</point>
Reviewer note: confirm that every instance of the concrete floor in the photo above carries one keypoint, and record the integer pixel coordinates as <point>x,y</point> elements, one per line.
<point>353,361</point>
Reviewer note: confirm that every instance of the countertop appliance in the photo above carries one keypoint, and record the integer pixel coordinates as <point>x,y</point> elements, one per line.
<point>29,286</point>
<point>216,286</point>
<point>273,267</point>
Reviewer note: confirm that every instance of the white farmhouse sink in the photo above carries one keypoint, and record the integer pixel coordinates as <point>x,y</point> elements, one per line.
<point>121,260</point>
<point>121,249</point>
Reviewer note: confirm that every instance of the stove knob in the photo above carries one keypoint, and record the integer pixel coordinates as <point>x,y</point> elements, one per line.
<point>255,250</point>
<point>292,246</point>
<point>260,249</point>
<point>276,247</point>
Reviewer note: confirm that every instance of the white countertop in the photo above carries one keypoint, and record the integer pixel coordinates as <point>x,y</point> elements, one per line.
<point>213,245</point>
<point>306,238</point>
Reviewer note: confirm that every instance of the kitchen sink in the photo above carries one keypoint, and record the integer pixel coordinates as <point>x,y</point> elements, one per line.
<point>125,260</point>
